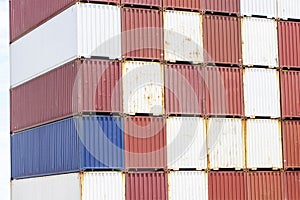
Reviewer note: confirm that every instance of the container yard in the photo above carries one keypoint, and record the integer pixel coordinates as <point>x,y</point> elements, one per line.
<point>163,99</point>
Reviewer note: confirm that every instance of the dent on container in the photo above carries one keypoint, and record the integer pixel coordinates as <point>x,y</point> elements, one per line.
<point>186,140</point>
<point>152,3</point>
<point>183,36</point>
<point>188,185</point>
<point>221,6</point>
<point>72,34</point>
<point>225,140</point>
<point>261,92</point>
<point>91,85</point>
<point>260,42</point>
<point>288,9</point>
<point>264,143</point>
<point>183,4</point>
<point>267,8</point>
<point>289,42</point>
<point>222,39</point>
<point>291,185</point>
<point>75,186</point>
<point>73,144</point>
<point>143,87</point>
<point>142,33</point>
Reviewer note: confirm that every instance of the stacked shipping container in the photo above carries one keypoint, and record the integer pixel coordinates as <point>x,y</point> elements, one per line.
<point>184,99</point>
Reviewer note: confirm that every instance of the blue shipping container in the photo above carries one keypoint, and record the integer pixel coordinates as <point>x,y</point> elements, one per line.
<point>69,145</point>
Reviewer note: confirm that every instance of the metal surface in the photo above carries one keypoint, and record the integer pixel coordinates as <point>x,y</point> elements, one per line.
<point>79,86</point>
<point>183,4</point>
<point>290,94</point>
<point>184,89</point>
<point>71,34</point>
<point>226,143</point>
<point>227,185</point>
<point>53,148</point>
<point>222,39</point>
<point>143,87</point>
<point>288,9</point>
<point>264,146</point>
<point>223,91</point>
<point>186,140</point>
<point>146,186</point>
<point>145,142</point>
<point>183,36</point>
<point>154,3</point>
<point>260,42</point>
<point>267,8</point>
<point>261,92</point>
<point>291,185</point>
<point>228,6</point>
<point>291,141</point>
<point>289,42</point>
<point>142,33</point>
<point>188,185</point>
<point>264,186</point>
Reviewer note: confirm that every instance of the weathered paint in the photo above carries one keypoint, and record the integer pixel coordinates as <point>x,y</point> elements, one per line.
<point>221,6</point>
<point>152,3</point>
<point>291,185</point>
<point>183,4</point>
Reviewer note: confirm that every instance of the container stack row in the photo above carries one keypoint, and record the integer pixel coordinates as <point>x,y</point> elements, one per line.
<point>163,99</point>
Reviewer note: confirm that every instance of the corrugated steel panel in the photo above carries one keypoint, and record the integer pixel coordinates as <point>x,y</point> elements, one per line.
<point>72,144</point>
<point>226,143</point>
<point>154,3</point>
<point>186,140</point>
<point>188,185</point>
<point>184,89</point>
<point>183,36</point>
<point>75,186</point>
<point>142,33</point>
<point>291,143</point>
<point>264,146</point>
<point>145,142</point>
<point>143,87</point>
<point>264,186</point>
<point>228,6</point>
<point>266,8</point>
<point>260,43</point>
<point>290,93</point>
<point>288,9</point>
<point>227,185</point>
<point>223,91</point>
<point>146,186</point>
<point>222,39</point>
<point>291,185</point>
<point>289,42</point>
<point>79,86</point>
<point>183,4</point>
<point>71,34</point>
<point>261,92</point>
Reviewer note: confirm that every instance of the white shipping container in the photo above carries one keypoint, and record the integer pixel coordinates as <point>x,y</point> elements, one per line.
<point>260,42</point>
<point>264,147</point>
<point>188,185</point>
<point>266,8</point>
<point>183,40</point>
<point>143,87</point>
<point>82,30</point>
<point>261,92</point>
<point>75,186</point>
<point>225,140</point>
<point>289,9</point>
<point>186,140</point>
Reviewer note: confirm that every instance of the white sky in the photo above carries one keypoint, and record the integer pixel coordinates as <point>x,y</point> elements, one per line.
<point>4,103</point>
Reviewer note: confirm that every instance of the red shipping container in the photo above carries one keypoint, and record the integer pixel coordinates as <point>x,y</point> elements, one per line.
<point>291,143</point>
<point>142,33</point>
<point>224,6</point>
<point>145,142</point>
<point>79,86</point>
<point>226,185</point>
<point>183,4</point>
<point>25,15</point>
<point>290,93</point>
<point>291,185</point>
<point>264,186</point>
<point>222,39</point>
<point>152,3</point>
<point>289,42</point>
<point>184,89</point>
<point>224,95</point>
<point>146,186</point>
